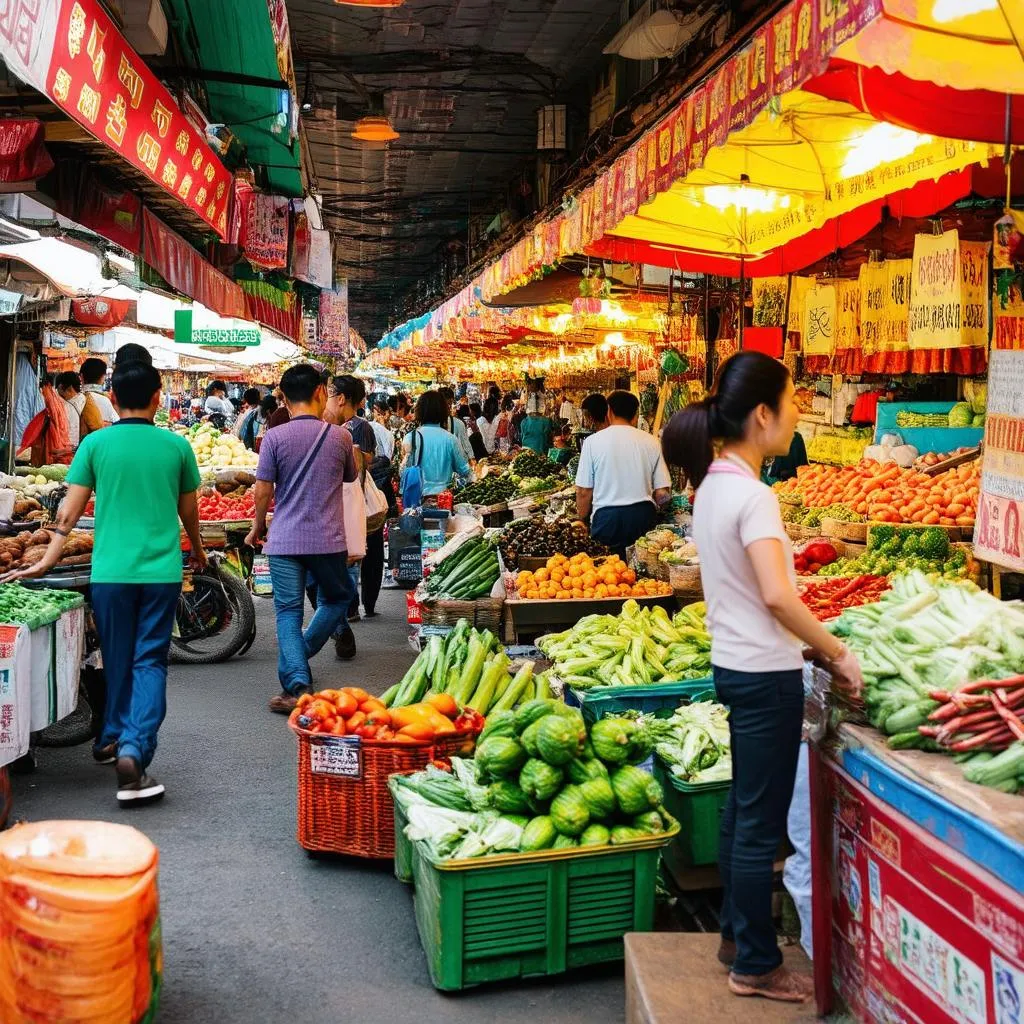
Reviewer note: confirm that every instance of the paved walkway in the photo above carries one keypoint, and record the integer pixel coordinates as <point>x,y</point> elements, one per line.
<point>254,931</point>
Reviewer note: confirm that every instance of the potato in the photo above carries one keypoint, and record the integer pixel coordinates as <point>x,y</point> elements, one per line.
<point>34,554</point>
<point>39,537</point>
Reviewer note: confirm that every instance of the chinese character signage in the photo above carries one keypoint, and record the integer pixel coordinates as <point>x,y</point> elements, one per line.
<point>215,333</point>
<point>73,52</point>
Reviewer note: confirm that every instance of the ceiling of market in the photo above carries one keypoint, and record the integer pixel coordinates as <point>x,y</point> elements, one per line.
<point>461,80</point>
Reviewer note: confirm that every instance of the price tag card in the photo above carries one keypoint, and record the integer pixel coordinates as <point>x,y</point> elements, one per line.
<point>336,755</point>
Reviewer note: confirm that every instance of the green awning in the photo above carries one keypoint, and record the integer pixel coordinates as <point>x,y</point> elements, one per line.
<point>237,38</point>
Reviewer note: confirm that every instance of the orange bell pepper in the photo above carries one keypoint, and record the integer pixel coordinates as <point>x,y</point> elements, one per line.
<point>418,731</point>
<point>443,702</point>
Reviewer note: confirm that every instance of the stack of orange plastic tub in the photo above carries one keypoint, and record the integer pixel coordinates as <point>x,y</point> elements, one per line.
<point>79,924</point>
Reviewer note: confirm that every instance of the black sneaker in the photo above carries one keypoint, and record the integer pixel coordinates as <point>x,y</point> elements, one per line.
<point>134,786</point>
<point>105,755</point>
<point>370,615</point>
<point>345,645</point>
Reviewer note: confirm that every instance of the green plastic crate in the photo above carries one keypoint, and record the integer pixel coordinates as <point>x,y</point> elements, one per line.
<point>523,915</point>
<point>403,845</point>
<point>698,809</point>
<point>660,700</point>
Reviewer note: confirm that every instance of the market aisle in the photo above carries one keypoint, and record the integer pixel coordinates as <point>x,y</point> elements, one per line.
<point>255,931</point>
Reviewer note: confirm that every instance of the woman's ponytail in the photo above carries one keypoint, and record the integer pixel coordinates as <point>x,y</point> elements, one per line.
<point>745,381</point>
<point>688,440</point>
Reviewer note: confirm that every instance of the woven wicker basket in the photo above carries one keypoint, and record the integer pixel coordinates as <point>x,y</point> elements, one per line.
<point>685,577</point>
<point>838,529</point>
<point>356,816</point>
<point>484,613</point>
<point>794,531</point>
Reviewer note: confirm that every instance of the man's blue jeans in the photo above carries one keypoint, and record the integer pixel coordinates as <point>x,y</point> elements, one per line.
<point>134,622</point>
<point>334,587</point>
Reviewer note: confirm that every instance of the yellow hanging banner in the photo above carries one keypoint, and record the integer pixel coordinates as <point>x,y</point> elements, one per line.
<point>897,306</point>
<point>974,293</point>
<point>847,315</point>
<point>873,285</point>
<point>819,320</point>
<point>934,320</point>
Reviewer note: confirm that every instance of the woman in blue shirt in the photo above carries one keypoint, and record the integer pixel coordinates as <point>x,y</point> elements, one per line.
<point>432,448</point>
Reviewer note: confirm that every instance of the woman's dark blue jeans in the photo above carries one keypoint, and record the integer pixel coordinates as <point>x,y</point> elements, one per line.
<point>765,721</point>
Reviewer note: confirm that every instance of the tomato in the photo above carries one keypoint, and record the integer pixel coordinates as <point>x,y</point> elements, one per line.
<point>372,704</point>
<point>306,698</point>
<point>367,731</point>
<point>377,717</point>
<point>355,691</point>
<point>346,704</point>
<point>355,720</point>
<point>338,729</point>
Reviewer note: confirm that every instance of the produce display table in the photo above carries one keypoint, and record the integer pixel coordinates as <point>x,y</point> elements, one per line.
<point>918,877</point>
<point>530,618</point>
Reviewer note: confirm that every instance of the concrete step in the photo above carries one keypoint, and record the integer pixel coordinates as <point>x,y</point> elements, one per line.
<point>675,978</point>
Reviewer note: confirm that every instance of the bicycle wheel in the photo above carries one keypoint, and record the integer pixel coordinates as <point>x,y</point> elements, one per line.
<point>214,621</point>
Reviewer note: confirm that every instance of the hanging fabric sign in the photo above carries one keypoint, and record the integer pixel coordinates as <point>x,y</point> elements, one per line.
<point>769,295</point>
<point>847,334</point>
<point>320,268</point>
<point>893,335</point>
<point>998,535</point>
<point>1006,239</point>
<point>873,286</point>
<point>974,293</point>
<point>934,320</point>
<point>333,325</point>
<point>797,293</point>
<point>819,320</point>
<point>265,231</point>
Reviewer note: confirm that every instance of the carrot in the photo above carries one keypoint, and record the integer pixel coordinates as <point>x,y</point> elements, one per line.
<point>931,518</point>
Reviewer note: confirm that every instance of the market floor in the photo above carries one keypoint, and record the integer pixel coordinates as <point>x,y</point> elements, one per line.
<point>254,930</point>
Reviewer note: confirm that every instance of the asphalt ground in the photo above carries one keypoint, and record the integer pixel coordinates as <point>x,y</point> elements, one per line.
<point>254,930</point>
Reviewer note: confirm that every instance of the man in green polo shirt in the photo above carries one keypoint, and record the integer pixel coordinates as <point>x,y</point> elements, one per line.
<point>145,480</point>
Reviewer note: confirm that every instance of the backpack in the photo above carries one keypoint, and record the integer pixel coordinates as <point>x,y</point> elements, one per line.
<point>411,482</point>
<point>247,435</point>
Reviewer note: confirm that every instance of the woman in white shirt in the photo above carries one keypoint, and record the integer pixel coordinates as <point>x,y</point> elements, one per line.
<point>758,625</point>
<point>488,425</point>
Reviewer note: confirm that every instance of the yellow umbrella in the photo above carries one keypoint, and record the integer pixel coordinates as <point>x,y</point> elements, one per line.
<point>965,44</point>
<point>801,162</point>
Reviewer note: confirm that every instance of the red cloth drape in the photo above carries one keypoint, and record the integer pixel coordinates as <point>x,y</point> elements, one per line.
<point>966,362</point>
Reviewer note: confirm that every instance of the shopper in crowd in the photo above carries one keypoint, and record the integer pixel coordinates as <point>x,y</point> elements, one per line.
<point>488,424</point>
<point>280,414</point>
<point>385,435</point>
<point>476,440</point>
<point>83,414</point>
<point>218,408</point>
<point>567,410</point>
<point>758,624</point>
<point>132,353</point>
<point>464,411</point>
<point>595,412</point>
<point>303,467</point>
<point>784,467</point>
<point>268,406</point>
<point>136,566</point>
<point>622,478</point>
<point>507,433</point>
<point>536,432</point>
<point>397,411</point>
<point>346,395</point>
<point>457,426</point>
<point>246,412</point>
<point>432,447</point>
<point>94,384</point>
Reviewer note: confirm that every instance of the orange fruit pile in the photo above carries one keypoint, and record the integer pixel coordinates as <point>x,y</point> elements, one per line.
<point>581,577</point>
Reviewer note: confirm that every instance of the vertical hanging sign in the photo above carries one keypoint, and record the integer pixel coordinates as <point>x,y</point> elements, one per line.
<point>333,321</point>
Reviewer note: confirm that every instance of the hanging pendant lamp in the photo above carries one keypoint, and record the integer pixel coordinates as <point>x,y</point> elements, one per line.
<point>375,128</point>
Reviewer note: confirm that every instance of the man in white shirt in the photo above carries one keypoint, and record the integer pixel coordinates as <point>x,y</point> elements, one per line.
<point>94,375</point>
<point>217,403</point>
<point>622,477</point>
<point>567,411</point>
<point>385,436</point>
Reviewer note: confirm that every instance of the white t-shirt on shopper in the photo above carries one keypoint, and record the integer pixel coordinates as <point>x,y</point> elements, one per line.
<point>731,510</point>
<point>622,465</point>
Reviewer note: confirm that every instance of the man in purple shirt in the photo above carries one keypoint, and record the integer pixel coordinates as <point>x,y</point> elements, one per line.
<point>303,466</point>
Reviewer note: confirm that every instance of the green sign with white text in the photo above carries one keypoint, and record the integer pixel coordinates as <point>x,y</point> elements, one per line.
<point>229,334</point>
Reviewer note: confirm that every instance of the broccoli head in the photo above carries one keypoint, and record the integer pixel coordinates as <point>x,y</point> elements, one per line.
<point>935,544</point>
<point>882,535</point>
<point>959,558</point>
